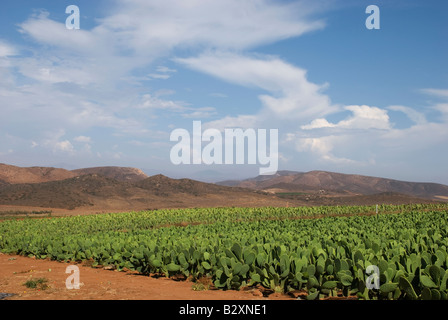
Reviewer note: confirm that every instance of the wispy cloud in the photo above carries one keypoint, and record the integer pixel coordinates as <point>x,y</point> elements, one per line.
<point>414,115</point>
<point>290,94</point>
<point>200,113</point>
<point>226,24</point>
<point>7,50</point>
<point>99,62</point>
<point>441,93</point>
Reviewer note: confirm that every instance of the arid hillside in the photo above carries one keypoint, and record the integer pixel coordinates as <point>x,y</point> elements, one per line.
<point>14,174</point>
<point>118,173</point>
<point>105,189</point>
<point>338,184</point>
<point>93,191</point>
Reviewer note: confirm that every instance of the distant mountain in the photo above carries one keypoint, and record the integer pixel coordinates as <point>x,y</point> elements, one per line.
<point>162,185</point>
<point>124,189</point>
<point>208,175</point>
<point>95,191</point>
<point>252,182</point>
<point>14,175</point>
<point>118,173</point>
<point>340,184</point>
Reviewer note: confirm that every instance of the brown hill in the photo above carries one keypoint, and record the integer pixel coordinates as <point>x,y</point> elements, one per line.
<point>253,182</point>
<point>68,194</point>
<point>343,184</point>
<point>124,189</point>
<point>14,174</point>
<point>164,186</point>
<point>94,191</point>
<point>118,173</point>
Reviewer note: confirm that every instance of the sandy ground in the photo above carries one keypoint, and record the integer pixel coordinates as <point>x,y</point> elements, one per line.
<point>101,284</point>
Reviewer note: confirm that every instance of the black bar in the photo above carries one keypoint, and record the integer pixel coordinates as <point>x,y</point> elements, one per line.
<point>219,309</point>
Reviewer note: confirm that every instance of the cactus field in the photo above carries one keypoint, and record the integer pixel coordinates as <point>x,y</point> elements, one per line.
<point>320,251</point>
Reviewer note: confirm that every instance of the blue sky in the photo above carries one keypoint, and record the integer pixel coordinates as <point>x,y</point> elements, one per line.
<point>344,98</point>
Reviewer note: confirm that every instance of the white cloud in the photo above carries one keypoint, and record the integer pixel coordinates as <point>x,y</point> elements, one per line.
<point>7,50</point>
<point>323,148</point>
<point>44,30</point>
<point>415,116</point>
<point>164,69</point>
<point>364,117</point>
<point>7,79</point>
<point>229,24</point>
<point>153,102</point>
<point>87,141</point>
<point>64,146</point>
<point>443,109</point>
<point>54,141</point>
<point>88,115</point>
<point>291,96</point>
<point>164,73</point>
<point>76,80</point>
<point>441,93</point>
<point>52,70</point>
<point>317,124</point>
<point>376,139</point>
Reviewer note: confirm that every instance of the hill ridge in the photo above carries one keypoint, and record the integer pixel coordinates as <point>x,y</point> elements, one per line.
<point>125,188</point>
<point>11,174</point>
<point>341,183</point>
<point>104,193</point>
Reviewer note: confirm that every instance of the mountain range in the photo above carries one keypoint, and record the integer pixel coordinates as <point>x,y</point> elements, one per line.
<point>116,188</point>
<point>332,183</point>
<point>103,189</point>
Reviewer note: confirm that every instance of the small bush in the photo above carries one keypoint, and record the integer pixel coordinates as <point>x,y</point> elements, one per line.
<point>40,283</point>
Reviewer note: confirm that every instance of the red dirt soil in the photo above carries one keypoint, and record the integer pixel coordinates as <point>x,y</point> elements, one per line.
<point>101,284</point>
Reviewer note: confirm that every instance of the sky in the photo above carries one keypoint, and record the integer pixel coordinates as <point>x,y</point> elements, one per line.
<point>343,97</point>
